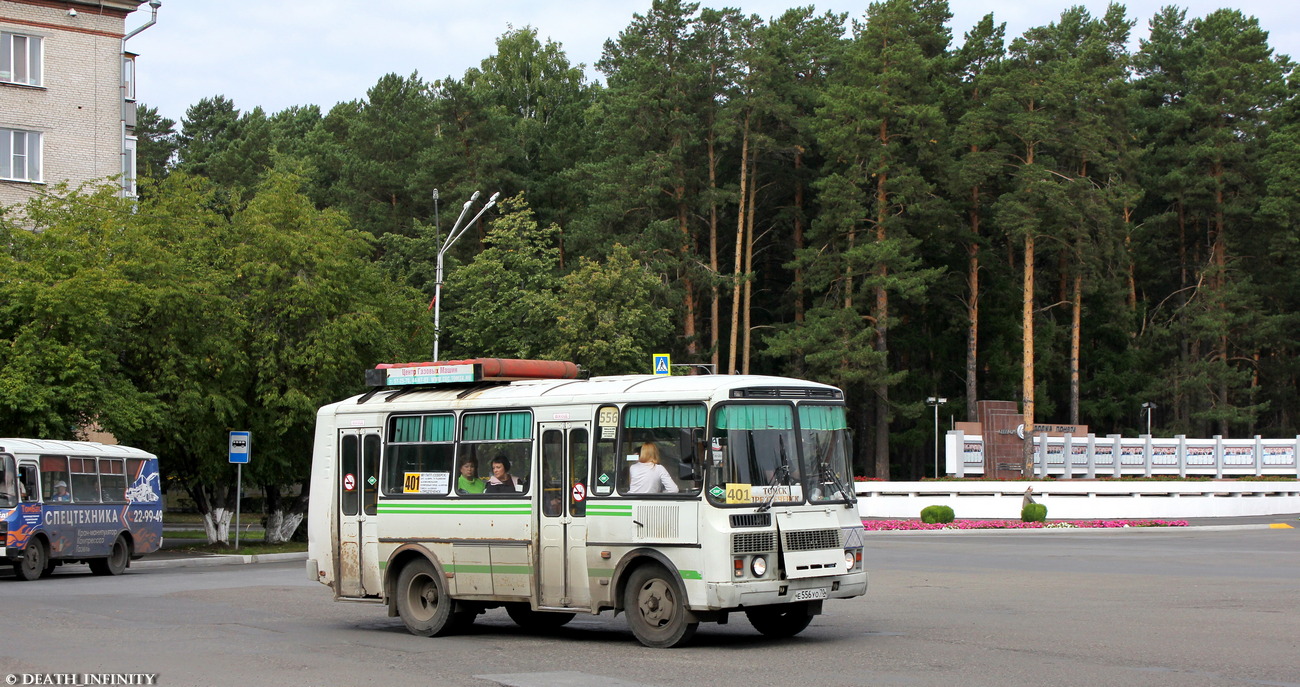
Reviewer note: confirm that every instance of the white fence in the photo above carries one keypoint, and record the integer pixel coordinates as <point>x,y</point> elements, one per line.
<point>1081,500</point>
<point>1114,456</point>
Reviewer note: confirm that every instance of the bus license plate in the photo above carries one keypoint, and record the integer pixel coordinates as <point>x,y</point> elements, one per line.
<point>810,594</point>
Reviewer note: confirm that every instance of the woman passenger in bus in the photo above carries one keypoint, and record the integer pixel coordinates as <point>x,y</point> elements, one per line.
<point>502,482</point>
<point>468,482</point>
<point>647,476</point>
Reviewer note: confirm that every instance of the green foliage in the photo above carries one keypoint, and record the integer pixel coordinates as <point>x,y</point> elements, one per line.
<point>936,514</point>
<point>1033,512</point>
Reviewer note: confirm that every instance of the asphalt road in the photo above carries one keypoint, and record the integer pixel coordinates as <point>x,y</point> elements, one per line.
<point>1187,608</point>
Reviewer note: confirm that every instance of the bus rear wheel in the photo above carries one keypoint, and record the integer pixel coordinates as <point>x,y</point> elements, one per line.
<point>527,618</point>
<point>656,609</point>
<point>117,559</point>
<point>422,600</point>
<point>32,564</point>
<point>786,620</point>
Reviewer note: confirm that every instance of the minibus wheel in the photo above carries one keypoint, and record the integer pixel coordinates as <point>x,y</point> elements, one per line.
<point>783,620</point>
<point>527,618</point>
<point>32,564</point>
<point>422,600</point>
<point>117,559</point>
<point>656,608</point>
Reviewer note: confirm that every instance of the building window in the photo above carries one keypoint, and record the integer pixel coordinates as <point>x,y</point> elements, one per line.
<point>20,59</point>
<point>128,166</point>
<point>20,155</point>
<point>128,77</point>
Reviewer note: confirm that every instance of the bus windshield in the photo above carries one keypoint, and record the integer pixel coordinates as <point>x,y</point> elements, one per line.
<point>825,442</point>
<point>758,458</point>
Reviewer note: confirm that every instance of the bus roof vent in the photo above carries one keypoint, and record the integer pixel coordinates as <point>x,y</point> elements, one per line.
<point>468,371</point>
<point>787,392</point>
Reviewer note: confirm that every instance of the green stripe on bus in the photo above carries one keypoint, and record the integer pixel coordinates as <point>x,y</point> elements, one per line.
<point>455,512</point>
<point>618,511</point>
<point>491,569</point>
<point>599,572</point>
<point>521,510</point>
<point>519,506</point>
<point>691,575</point>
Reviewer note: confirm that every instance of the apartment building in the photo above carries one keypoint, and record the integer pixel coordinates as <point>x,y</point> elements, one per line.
<point>67,94</point>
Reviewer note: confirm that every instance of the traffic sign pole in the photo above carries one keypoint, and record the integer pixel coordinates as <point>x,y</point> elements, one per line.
<point>241,450</point>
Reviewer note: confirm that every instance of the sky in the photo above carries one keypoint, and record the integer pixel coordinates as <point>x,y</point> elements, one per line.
<point>280,53</point>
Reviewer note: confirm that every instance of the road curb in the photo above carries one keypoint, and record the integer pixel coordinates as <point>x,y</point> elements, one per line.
<point>219,559</point>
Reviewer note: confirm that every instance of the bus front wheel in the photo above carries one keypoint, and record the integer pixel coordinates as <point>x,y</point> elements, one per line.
<point>117,559</point>
<point>786,620</point>
<point>422,600</point>
<point>656,609</point>
<point>32,564</point>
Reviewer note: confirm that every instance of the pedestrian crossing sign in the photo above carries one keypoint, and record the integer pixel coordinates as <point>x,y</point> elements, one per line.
<point>662,364</point>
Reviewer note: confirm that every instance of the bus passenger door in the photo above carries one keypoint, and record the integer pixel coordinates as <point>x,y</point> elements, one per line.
<point>358,485</point>
<point>562,531</point>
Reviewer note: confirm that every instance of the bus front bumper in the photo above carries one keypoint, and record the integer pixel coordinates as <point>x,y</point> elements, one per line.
<point>728,595</point>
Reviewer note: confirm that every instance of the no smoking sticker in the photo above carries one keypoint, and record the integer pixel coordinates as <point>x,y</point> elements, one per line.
<point>579,492</point>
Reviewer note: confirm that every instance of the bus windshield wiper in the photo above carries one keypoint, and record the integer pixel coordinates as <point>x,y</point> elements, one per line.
<point>777,477</point>
<point>826,472</point>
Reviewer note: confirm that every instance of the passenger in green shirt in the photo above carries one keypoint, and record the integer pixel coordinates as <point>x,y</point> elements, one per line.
<point>468,482</point>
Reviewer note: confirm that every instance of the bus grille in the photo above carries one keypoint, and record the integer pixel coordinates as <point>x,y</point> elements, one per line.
<point>753,542</point>
<point>751,520</point>
<point>811,540</point>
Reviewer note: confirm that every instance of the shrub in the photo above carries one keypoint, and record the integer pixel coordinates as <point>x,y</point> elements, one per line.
<point>1034,512</point>
<point>936,514</point>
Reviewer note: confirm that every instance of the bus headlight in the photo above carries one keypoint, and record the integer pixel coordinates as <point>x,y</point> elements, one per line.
<point>849,560</point>
<point>758,566</point>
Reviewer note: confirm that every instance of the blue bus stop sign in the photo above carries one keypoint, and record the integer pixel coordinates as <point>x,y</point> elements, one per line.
<point>241,446</point>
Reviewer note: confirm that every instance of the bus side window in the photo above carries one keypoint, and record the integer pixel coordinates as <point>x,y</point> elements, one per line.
<point>112,480</point>
<point>85,480</point>
<point>54,469</point>
<point>606,454</point>
<point>28,486</point>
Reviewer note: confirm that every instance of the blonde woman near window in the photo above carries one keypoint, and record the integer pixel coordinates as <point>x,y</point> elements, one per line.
<point>647,476</point>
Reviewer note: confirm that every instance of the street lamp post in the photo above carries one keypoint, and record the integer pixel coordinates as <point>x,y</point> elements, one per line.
<point>456,230</point>
<point>1148,407</point>
<point>935,402</point>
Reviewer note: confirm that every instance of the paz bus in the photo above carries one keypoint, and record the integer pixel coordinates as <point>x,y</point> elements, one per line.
<point>76,502</point>
<point>755,513</point>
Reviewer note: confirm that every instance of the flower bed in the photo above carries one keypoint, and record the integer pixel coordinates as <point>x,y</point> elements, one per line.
<point>882,525</point>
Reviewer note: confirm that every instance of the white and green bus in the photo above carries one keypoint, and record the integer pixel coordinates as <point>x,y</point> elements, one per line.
<point>452,488</point>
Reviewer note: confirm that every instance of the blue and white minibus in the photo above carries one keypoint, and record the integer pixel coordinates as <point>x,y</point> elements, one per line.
<point>76,502</point>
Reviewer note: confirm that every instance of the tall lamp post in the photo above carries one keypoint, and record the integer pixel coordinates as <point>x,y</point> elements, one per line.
<point>1147,408</point>
<point>935,402</point>
<point>457,230</point>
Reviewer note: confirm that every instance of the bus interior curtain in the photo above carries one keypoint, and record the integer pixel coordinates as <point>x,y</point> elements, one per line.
<point>755,417</point>
<point>438,428</point>
<point>826,418</point>
<point>656,417</point>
